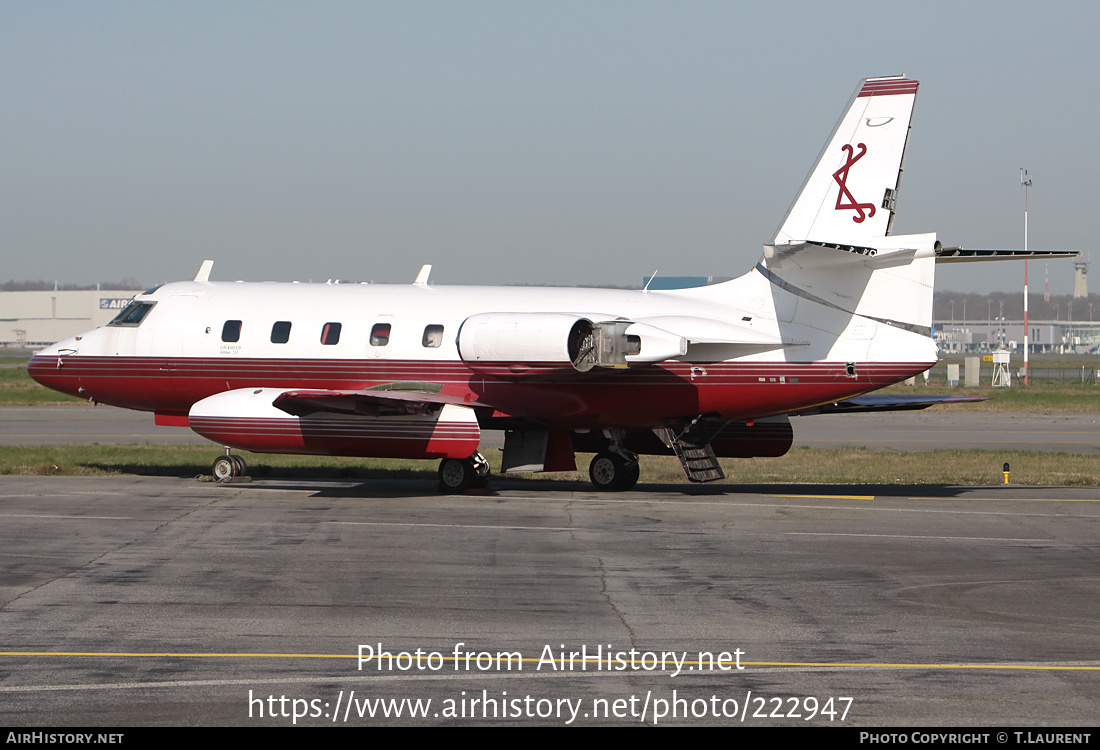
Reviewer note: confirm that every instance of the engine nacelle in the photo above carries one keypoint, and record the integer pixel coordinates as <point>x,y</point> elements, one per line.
<point>245,419</point>
<point>527,344</point>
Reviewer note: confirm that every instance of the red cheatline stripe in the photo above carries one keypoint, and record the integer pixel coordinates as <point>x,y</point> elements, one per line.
<point>357,365</point>
<point>894,86</point>
<point>298,371</point>
<point>355,373</point>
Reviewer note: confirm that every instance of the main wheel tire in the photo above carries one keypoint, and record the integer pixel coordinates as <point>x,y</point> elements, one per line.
<point>224,468</point>
<point>241,468</point>
<point>456,475</point>
<point>607,471</point>
<point>630,478</point>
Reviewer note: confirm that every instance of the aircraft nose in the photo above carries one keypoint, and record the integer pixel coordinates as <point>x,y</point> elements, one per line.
<point>49,370</point>
<point>48,367</point>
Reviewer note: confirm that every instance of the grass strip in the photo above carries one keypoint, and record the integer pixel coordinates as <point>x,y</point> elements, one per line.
<point>18,389</point>
<point>802,465</point>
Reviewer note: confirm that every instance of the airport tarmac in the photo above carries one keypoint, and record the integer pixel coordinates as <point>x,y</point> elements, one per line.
<point>156,601</point>
<point>904,431</point>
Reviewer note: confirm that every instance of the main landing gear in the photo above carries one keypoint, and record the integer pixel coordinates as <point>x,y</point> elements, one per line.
<point>228,466</point>
<point>456,475</point>
<point>613,471</point>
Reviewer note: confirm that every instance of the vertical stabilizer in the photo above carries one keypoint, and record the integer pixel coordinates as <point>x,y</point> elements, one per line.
<point>849,197</point>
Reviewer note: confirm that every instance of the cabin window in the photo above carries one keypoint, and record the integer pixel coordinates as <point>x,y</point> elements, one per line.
<point>132,314</point>
<point>433,336</point>
<point>330,334</point>
<point>280,332</point>
<point>380,334</point>
<point>231,331</point>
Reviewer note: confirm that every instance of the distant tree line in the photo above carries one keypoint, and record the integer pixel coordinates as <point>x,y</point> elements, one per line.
<point>129,283</point>
<point>961,306</point>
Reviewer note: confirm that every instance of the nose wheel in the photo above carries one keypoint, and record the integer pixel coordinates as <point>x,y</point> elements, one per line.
<point>226,467</point>
<point>456,475</point>
<point>613,472</point>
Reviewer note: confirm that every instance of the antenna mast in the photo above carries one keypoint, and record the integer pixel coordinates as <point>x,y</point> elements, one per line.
<point>1025,182</point>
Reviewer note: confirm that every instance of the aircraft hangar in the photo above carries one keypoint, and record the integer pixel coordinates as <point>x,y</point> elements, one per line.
<point>40,318</point>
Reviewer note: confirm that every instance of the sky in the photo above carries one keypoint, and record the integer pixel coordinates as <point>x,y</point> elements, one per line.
<point>554,142</point>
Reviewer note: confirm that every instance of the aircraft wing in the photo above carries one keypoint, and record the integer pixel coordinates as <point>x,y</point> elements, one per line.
<point>885,402</point>
<point>383,400</point>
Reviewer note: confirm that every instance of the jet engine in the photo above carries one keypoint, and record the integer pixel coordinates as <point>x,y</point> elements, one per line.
<point>527,344</point>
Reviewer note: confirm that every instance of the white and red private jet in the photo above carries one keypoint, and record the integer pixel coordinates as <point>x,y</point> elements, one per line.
<point>837,307</point>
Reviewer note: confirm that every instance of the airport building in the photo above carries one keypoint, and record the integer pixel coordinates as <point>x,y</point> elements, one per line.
<point>36,319</point>
<point>1046,336</point>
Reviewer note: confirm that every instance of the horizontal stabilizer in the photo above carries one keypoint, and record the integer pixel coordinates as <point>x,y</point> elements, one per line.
<point>887,252</point>
<point>962,255</point>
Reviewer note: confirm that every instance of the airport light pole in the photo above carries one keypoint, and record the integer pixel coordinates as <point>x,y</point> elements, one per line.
<point>1025,181</point>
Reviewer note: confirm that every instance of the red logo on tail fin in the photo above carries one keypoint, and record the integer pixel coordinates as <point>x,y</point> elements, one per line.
<point>863,210</point>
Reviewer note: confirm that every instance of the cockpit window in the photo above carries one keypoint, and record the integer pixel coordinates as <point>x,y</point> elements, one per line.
<point>150,291</point>
<point>132,314</point>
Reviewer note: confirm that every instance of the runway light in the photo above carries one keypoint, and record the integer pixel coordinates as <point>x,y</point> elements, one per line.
<point>1006,472</point>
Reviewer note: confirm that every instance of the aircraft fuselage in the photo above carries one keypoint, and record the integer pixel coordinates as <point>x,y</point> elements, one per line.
<point>176,356</point>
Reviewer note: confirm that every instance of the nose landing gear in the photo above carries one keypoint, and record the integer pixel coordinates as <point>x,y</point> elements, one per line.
<point>228,467</point>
